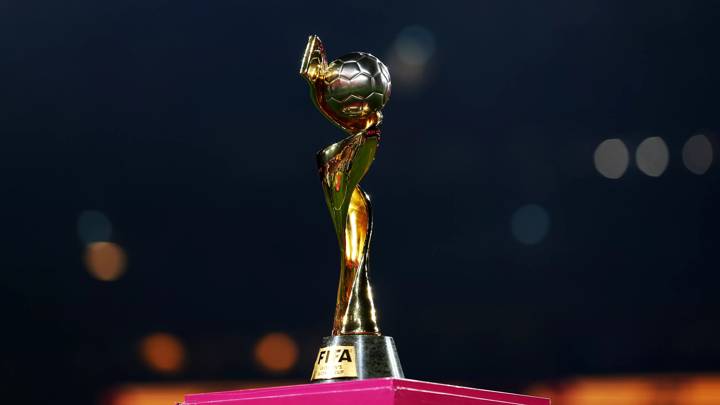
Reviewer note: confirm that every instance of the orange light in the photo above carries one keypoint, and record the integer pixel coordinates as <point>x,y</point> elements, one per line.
<point>149,395</point>
<point>173,393</point>
<point>276,352</point>
<point>685,389</point>
<point>105,260</point>
<point>163,353</point>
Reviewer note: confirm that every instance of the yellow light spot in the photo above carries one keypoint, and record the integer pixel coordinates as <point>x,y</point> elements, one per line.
<point>276,352</point>
<point>163,353</point>
<point>105,260</point>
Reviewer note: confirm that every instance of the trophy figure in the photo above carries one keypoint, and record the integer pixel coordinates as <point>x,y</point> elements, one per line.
<point>350,92</point>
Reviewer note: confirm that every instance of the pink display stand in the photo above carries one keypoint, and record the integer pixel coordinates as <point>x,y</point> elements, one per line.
<point>378,391</point>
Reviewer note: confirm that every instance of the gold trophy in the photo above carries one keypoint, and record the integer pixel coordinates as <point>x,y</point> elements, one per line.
<point>350,92</point>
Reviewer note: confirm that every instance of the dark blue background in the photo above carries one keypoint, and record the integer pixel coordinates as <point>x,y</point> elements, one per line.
<point>187,125</point>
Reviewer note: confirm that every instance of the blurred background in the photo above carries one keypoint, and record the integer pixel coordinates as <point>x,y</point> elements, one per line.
<point>546,197</point>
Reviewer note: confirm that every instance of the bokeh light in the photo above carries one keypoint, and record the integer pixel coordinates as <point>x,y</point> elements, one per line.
<point>276,352</point>
<point>652,156</point>
<point>678,389</point>
<point>611,158</point>
<point>410,54</point>
<point>169,393</point>
<point>163,353</point>
<point>105,261</point>
<point>530,224</point>
<point>415,45</point>
<point>93,226</point>
<point>697,154</point>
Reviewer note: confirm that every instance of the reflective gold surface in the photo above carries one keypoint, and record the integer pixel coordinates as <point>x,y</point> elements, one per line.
<point>350,91</point>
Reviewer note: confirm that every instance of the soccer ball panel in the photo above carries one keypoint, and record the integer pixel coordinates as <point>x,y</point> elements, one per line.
<point>339,89</point>
<point>350,70</point>
<point>357,84</point>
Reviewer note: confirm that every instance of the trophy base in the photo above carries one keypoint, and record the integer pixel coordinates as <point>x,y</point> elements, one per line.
<point>356,357</point>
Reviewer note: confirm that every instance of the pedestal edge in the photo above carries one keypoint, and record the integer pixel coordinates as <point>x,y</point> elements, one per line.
<point>374,384</point>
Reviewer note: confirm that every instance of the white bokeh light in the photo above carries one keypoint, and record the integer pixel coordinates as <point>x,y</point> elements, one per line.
<point>611,158</point>
<point>415,45</point>
<point>652,156</point>
<point>410,55</point>
<point>697,154</point>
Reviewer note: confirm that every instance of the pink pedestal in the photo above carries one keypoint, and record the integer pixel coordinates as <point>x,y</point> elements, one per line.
<point>378,391</point>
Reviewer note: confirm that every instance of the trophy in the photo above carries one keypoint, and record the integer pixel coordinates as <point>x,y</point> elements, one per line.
<point>350,92</point>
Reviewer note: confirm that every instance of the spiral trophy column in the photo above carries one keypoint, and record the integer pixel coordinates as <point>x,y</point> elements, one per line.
<point>350,92</point>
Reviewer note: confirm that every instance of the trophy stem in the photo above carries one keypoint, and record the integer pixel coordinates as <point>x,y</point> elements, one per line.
<point>355,309</point>
<point>341,167</point>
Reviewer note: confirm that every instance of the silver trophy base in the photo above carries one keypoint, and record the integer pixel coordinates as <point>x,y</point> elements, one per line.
<point>374,357</point>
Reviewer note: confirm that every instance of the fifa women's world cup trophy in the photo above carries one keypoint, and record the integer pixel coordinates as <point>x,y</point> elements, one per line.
<point>350,91</point>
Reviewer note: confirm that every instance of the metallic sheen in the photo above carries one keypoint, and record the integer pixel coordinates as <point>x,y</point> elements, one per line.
<point>350,91</point>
